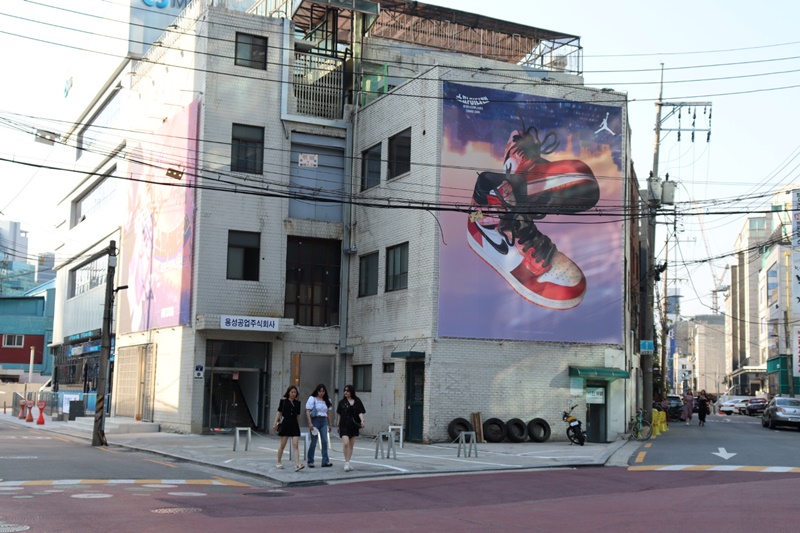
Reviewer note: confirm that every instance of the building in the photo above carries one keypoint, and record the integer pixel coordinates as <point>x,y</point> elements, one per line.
<point>26,329</point>
<point>742,307</point>
<point>314,193</point>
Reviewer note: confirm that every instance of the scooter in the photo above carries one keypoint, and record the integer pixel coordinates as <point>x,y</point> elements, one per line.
<point>574,431</point>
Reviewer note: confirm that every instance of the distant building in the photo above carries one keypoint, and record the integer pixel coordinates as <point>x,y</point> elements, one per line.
<point>26,323</point>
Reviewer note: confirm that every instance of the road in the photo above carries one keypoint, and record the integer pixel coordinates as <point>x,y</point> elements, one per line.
<point>125,491</point>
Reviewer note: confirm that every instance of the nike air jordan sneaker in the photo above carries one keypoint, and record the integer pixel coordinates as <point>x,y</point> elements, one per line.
<point>514,247</point>
<point>563,187</point>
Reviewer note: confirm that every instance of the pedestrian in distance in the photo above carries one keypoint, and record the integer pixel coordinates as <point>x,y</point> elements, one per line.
<point>350,419</point>
<point>688,406</point>
<point>287,424</point>
<point>318,411</point>
<point>702,408</point>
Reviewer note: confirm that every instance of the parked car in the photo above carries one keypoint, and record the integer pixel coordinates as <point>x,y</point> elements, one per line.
<point>756,406</point>
<point>781,412</point>
<point>733,406</point>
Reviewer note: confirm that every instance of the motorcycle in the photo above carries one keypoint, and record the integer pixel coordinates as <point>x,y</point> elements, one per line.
<point>574,431</point>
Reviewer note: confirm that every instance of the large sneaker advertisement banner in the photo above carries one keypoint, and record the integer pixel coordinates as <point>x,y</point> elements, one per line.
<point>537,254</point>
<point>158,235</point>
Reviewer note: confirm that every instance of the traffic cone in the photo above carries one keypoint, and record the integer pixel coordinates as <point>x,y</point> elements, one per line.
<point>29,418</point>
<point>40,420</point>
<point>21,411</point>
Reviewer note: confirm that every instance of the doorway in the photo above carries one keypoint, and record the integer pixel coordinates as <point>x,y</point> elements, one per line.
<point>415,394</point>
<point>596,412</point>
<point>236,386</point>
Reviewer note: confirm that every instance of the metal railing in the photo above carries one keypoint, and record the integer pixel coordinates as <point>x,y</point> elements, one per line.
<point>317,86</point>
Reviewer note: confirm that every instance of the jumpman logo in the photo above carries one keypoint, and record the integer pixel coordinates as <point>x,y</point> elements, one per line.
<point>604,126</point>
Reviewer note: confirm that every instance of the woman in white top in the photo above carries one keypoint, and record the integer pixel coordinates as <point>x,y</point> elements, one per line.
<point>318,409</point>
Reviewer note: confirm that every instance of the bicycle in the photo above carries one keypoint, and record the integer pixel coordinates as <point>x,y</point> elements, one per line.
<point>639,428</point>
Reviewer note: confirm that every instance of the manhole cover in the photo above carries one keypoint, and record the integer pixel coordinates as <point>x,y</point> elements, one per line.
<point>177,510</point>
<point>271,494</point>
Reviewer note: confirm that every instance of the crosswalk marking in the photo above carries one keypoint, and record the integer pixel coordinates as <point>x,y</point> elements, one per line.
<point>55,482</point>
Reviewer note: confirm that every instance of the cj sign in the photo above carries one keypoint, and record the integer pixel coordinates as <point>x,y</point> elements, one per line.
<point>161,4</point>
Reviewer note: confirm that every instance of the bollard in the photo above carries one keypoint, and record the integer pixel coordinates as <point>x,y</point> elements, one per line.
<point>21,410</point>
<point>41,405</point>
<point>29,405</point>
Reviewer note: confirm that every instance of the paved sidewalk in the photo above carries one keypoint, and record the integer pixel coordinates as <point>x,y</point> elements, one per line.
<point>412,459</point>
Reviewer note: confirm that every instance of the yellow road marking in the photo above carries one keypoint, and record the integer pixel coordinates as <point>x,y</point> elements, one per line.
<point>161,463</point>
<point>640,457</point>
<point>109,451</point>
<point>648,444</point>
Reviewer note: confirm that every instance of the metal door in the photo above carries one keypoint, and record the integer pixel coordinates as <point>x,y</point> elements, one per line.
<point>415,394</point>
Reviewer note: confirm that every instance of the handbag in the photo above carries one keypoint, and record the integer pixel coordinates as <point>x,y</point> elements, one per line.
<point>280,425</point>
<point>314,410</point>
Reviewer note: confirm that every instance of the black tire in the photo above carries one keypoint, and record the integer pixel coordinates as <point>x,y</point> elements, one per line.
<point>771,423</point>
<point>539,430</point>
<point>516,430</point>
<point>494,430</point>
<point>576,436</point>
<point>457,426</point>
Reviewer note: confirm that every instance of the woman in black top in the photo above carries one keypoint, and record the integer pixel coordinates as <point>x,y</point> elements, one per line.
<point>351,418</point>
<point>289,409</point>
<point>702,407</point>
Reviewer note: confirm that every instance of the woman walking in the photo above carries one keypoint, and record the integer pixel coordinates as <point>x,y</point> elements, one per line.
<point>350,413</point>
<point>289,426</point>
<point>702,408</point>
<point>688,406</point>
<point>318,413</point>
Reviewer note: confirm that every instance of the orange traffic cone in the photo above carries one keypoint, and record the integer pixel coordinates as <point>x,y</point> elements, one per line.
<point>40,420</point>
<point>29,418</point>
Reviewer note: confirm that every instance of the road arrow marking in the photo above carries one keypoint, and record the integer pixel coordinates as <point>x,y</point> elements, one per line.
<point>724,454</point>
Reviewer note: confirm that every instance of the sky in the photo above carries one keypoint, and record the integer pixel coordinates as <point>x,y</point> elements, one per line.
<point>744,60</point>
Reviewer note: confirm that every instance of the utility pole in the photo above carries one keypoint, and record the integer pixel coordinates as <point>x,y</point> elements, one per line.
<point>99,435</point>
<point>654,200</point>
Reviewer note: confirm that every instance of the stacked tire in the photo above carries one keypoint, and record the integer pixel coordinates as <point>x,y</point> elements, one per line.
<point>495,430</point>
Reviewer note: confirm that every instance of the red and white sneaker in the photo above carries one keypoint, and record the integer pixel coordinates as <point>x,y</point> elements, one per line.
<point>566,186</point>
<point>514,247</point>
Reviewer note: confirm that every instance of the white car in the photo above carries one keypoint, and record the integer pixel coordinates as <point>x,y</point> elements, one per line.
<point>738,405</point>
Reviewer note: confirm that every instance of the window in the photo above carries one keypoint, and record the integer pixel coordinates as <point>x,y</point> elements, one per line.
<point>13,341</point>
<point>400,154</point>
<point>362,378</point>
<point>368,274</point>
<point>313,281</point>
<point>244,255</point>
<point>97,127</point>
<point>371,167</point>
<point>88,276</point>
<point>97,197</point>
<point>388,368</point>
<point>397,267</point>
<point>251,51</point>
<point>247,149</point>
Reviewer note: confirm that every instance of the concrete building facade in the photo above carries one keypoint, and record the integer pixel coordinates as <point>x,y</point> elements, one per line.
<point>299,199</point>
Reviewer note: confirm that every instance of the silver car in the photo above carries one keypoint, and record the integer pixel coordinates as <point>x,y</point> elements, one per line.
<point>781,412</point>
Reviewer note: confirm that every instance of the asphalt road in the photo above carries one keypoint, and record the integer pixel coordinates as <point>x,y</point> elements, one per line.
<point>126,491</point>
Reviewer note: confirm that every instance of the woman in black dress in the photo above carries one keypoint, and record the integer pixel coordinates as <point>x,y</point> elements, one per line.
<point>702,407</point>
<point>351,418</point>
<point>289,410</point>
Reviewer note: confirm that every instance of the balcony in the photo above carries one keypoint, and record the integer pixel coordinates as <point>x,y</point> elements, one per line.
<point>317,86</point>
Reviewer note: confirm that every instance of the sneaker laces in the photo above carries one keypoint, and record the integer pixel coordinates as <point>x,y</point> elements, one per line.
<point>529,146</point>
<point>535,244</point>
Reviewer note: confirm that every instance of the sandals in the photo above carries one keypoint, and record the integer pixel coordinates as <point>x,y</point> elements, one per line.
<point>299,467</point>
<point>279,466</point>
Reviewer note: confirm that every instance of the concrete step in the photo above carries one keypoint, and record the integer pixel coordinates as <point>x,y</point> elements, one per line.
<point>115,425</point>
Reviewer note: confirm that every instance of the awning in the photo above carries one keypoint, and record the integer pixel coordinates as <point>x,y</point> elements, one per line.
<point>591,372</point>
<point>408,355</point>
